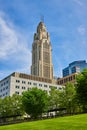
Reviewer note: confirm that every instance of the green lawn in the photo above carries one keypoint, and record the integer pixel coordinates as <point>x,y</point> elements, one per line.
<point>77,122</point>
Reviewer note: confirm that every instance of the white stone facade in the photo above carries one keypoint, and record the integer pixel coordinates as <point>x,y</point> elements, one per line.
<point>14,84</point>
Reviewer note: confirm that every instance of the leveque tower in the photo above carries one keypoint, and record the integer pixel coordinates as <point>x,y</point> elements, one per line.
<point>42,53</point>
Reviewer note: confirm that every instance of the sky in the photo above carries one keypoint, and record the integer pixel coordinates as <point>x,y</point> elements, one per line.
<point>65,20</point>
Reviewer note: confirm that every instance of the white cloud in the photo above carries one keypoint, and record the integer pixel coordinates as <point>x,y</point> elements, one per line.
<point>14,46</point>
<point>81,30</point>
<point>8,40</point>
<point>79,2</point>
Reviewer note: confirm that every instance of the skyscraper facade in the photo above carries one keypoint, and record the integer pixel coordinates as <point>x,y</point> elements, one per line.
<point>42,53</point>
<point>74,67</point>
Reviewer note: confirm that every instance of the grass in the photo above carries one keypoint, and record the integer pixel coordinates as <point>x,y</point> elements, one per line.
<point>77,122</point>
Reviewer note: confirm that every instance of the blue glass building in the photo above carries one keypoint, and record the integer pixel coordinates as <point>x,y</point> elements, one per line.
<point>74,67</point>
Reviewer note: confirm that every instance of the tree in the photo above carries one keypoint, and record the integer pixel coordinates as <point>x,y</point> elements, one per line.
<point>5,108</point>
<point>35,102</point>
<point>0,107</point>
<point>16,105</point>
<point>64,98</point>
<point>69,93</point>
<point>11,106</point>
<point>55,98</point>
<point>82,89</point>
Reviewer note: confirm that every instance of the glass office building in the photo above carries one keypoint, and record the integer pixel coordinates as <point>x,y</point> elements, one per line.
<point>74,67</point>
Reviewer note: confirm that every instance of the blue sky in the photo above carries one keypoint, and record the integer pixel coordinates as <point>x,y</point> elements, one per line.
<point>66,21</point>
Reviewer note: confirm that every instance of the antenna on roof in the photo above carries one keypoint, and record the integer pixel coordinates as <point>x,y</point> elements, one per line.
<point>42,18</point>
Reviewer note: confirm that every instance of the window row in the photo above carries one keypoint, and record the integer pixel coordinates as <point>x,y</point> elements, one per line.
<point>19,87</point>
<point>30,83</point>
<point>5,88</point>
<point>23,82</point>
<point>6,82</point>
<point>5,94</point>
<point>24,87</point>
<point>66,79</point>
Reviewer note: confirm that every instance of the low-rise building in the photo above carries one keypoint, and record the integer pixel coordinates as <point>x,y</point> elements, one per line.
<point>17,83</point>
<point>70,78</point>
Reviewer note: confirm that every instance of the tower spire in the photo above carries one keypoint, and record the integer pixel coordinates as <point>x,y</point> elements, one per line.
<point>42,18</point>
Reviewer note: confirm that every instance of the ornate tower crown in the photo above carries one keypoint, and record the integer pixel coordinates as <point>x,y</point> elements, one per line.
<point>41,32</point>
<point>41,27</point>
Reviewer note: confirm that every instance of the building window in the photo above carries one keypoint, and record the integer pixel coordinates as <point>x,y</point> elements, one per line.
<point>64,80</point>
<point>3,89</point>
<point>1,84</point>
<point>73,76</point>
<point>60,88</point>
<point>7,87</point>
<point>35,84</point>
<point>16,92</point>
<point>45,85</point>
<point>17,81</point>
<point>23,82</point>
<point>23,88</point>
<point>58,82</point>
<point>29,88</point>
<point>40,85</point>
<point>50,86</point>
<point>17,87</point>
<point>3,95</point>
<point>7,81</point>
<point>69,78</point>
<point>29,83</point>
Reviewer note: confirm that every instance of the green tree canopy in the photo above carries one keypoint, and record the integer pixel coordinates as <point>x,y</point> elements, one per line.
<point>82,89</point>
<point>55,98</point>
<point>64,98</point>
<point>16,105</point>
<point>69,93</point>
<point>35,102</point>
<point>11,106</point>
